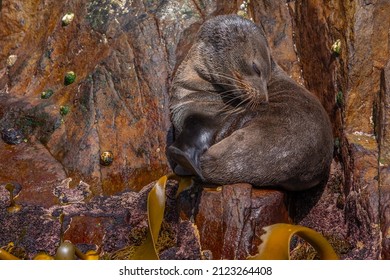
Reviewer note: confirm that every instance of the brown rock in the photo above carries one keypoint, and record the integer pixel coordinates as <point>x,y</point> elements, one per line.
<point>322,209</point>
<point>313,41</point>
<point>276,19</point>
<point>230,218</point>
<point>209,222</point>
<point>352,79</point>
<point>86,230</point>
<point>37,173</point>
<point>362,196</point>
<point>102,223</point>
<point>384,161</point>
<point>123,55</point>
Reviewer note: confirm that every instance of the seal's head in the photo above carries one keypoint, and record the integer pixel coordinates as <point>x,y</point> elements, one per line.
<point>237,59</point>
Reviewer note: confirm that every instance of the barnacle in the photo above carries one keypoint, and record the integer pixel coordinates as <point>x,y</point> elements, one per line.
<point>106,158</point>
<point>11,60</point>
<point>336,47</point>
<point>67,19</point>
<point>46,94</point>
<point>64,110</point>
<point>243,9</point>
<point>70,77</point>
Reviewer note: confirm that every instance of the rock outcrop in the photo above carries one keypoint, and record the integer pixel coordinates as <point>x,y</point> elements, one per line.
<point>124,53</point>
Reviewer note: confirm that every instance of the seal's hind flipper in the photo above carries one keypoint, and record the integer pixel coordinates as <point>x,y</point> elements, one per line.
<point>186,166</point>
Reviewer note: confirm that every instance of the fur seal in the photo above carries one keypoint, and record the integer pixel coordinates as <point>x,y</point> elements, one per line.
<point>238,117</point>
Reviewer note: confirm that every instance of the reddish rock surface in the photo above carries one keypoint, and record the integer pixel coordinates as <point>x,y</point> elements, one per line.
<point>105,224</point>
<point>230,218</point>
<point>384,161</point>
<point>37,172</point>
<point>348,86</point>
<point>124,54</point>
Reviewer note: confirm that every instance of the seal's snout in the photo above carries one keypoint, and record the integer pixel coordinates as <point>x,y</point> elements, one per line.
<point>263,94</point>
<point>265,98</point>
<point>258,98</point>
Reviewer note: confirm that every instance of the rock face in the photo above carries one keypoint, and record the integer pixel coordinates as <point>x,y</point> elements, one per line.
<point>230,219</point>
<point>352,79</point>
<point>124,52</point>
<point>108,225</point>
<point>384,160</point>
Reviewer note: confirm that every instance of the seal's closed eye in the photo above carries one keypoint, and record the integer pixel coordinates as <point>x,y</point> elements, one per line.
<point>256,68</point>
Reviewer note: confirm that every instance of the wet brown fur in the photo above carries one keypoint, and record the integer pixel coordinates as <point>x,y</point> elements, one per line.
<point>267,130</point>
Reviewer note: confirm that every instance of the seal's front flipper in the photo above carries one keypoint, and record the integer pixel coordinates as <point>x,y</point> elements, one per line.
<point>186,166</point>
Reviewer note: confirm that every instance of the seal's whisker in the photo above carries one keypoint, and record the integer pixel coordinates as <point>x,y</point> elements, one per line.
<point>233,108</point>
<point>230,78</point>
<point>240,86</point>
<point>252,105</point>
<point>245,100</point>
<point>232,91</point>
<point>229,107</point>
<point>231,112</point>
<point>220,92</point>
<point>239,98</point>
<point>226,108</point>
<point>233,95</point>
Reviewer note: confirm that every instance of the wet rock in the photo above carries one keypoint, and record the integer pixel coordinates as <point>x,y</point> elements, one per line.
<point>124,53</point>
<point>384,161</point>
<point>36,172</point>
<point>230,218</point>
<point>188,246</point>
<point>87,230</point>
<point>28,231</point>
<point>101,223</point>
